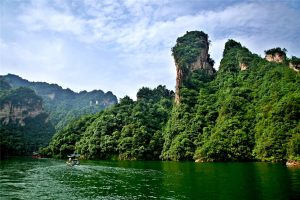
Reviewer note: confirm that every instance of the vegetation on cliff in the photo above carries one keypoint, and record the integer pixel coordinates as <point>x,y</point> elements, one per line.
<point>23,124</point>
<point>128,130</point>
<point>64,105</point>
<point>29,111</point>
<point>232,115</point>
<point>188,47</point>
<point>278,50</point>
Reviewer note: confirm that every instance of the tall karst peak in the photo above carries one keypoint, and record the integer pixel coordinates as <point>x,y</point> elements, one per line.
<point>190,54</point>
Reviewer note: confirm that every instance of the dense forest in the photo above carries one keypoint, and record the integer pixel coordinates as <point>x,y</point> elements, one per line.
<point>31,112</point>
<point>248,110</point>
<point>24,127</point>
<point>128,130</point>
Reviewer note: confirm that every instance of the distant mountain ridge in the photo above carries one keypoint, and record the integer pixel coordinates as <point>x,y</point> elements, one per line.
<point>64,105</point>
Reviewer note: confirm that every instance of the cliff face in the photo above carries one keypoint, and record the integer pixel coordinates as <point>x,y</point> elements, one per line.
<point>243,66</point>
<point>191,54</point>
<point>24,125</point>
<point>18,105</point>
<point>63,105</point>
<point>277,58</point>
<point>179,80</point>
<point>295,67</point>
<point>11,113</point>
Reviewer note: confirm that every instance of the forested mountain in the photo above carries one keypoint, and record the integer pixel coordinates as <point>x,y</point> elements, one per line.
<point>24,125</point>
<point>128,130</point>
<point>64,105</point>
<point>248,110</point>
<point>31,111</point>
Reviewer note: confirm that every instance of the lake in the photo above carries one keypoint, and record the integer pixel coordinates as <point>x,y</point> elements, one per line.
<point>26,178</point>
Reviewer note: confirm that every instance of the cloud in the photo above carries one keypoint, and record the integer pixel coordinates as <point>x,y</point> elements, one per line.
<point>128,42</point>
<point>42,17</point>
<point>129,24</point>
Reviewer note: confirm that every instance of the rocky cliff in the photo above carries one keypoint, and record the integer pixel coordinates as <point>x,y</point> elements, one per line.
<point>295,67</point>
<point>276,55</point>
<point>294,63</point>
<point>18,105</point>
<point>24,125</point>
<point>18,113</point>
<point>191,54</point>
<point>64,105</point>
<point>277,58</point>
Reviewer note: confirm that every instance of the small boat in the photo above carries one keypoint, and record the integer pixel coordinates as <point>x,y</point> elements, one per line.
<point>73,159</point>
<point>36,155</point>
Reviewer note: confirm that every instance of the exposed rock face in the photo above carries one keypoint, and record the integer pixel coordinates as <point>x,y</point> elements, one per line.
<point>18,114</point>
<point>202,63</point>
<point>59,102</point>
<point>191,54</point>
<point>243,66</point>
<point>277,58</point>
<point>16,106</point>
<point>293,163</point>
<point>295,67</point>
<point>24,126</point>
<point>51,96</point>
<point>179,79</point>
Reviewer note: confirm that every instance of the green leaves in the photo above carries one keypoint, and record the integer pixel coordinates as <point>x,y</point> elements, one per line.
<point>128,130</point>
<point>276,50</point>
<point>188,48</point>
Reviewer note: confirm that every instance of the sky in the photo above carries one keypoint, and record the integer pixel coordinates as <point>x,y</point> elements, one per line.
<point>123,45</point>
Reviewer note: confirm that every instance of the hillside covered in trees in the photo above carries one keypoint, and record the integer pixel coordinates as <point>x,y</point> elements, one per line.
<point>248,110</point>
<point>31,112</point>
<point>24,125</point>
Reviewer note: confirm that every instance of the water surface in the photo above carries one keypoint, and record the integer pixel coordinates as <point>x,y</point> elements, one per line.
<point>26,178</point>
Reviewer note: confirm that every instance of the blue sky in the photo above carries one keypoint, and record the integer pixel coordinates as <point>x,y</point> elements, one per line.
<point>122,45</point>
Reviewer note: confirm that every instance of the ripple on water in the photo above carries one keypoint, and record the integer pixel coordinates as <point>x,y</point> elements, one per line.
<point>55,180</point>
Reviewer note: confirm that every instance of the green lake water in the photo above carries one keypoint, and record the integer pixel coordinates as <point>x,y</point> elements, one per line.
<point>26,178</point>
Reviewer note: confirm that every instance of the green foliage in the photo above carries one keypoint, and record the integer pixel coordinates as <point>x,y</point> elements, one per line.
<point>128,130</point>
<point>188,47</point>
<point>4,85</point>
<point>19,97</point>
<point>155,95</point>
<point>294,147</point>
<point>63,142</point>
<point>295,61</point>
<point>235,54</point>
<point>237,115</point>
<point>22,138</point>
<point>231,44</point>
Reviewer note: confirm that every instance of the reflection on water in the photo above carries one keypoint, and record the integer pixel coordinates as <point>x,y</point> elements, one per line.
<point>24,178</point>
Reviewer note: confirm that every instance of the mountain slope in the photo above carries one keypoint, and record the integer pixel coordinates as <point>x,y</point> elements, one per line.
<point>24,125</point>
<point>64,105</point>
<point>248,110</point>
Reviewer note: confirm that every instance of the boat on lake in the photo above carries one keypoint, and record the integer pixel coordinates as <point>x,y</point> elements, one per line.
<point>36,155</point>
<point>73,159</point>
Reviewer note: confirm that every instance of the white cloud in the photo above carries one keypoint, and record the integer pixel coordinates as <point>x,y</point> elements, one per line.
<point>41,17</point>
<point>137,32</point>
<point>136,36</point>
